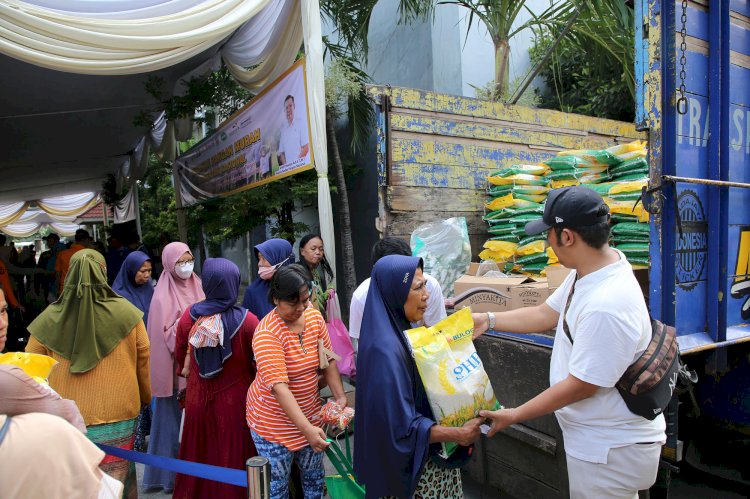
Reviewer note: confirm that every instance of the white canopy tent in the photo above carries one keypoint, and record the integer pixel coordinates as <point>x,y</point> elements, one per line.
<point>75,74</point>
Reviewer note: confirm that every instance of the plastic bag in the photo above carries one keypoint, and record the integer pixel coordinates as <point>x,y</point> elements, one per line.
<point>454,378</point>
<point>444,246</point>
<point>35,365</point>
<point>340,340</point>
<point>620,149</point>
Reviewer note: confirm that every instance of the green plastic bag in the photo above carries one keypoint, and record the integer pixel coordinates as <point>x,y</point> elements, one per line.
<point>343,485</point>
<point>600,156</point>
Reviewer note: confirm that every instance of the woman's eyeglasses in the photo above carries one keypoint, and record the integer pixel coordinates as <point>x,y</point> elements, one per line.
<point>184,263</point>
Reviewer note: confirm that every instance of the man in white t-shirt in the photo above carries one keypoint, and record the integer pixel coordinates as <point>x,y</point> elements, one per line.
<point>611,452</point>
<point>293,141</point>
<point>394,246</point>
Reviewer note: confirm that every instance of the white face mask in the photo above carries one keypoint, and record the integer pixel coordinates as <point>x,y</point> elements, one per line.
<point>184,271</point>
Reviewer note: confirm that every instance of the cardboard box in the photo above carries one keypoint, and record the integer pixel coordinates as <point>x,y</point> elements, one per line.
<point>529,294</point>
<point>485,294</point>
<point>556,274</point>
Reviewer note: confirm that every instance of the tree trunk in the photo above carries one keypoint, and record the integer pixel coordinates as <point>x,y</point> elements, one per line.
<point>202,246</point>
<point>345,232</point>
<point>502,51</point>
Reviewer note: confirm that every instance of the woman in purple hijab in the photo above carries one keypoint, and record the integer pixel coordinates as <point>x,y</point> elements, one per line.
<point>134,282</point>
<point>271,255</point>
<point>214,429</point>
<point>397,436</point>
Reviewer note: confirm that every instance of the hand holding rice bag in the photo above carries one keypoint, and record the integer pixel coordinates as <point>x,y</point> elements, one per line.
<point>454,378</point>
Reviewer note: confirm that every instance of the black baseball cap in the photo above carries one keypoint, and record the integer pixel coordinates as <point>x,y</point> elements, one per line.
<point>576,206</point>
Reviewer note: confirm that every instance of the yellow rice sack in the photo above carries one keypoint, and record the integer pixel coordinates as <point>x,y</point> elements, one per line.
<point>502,250</point>
<point>454,378</point>
<point>531,248</point>
<point>519,179</point>
<point>627,208</point>
<point>631,186</point>
<point>508,201</point>
<point>552,257</point>
<point>557,184</point>
<point>620,149</point>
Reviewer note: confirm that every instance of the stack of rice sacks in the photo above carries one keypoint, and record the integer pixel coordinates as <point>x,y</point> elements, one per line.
<point>518,194</point>
<point>630,228</point>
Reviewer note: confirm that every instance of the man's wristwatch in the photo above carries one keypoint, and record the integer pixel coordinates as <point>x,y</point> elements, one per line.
<point>491,320</point>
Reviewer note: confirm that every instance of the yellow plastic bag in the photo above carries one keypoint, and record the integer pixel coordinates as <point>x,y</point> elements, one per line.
<point>37,366</point>
<point>531,248</point>
<point>454,378</point>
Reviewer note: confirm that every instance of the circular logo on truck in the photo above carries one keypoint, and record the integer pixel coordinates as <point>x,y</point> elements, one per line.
<point>692,245</point>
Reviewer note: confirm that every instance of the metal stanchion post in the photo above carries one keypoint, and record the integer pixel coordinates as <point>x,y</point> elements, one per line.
<point>258,478</point>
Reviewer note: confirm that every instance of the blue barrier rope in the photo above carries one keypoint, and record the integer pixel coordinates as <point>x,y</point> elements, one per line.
<point>207,471</point>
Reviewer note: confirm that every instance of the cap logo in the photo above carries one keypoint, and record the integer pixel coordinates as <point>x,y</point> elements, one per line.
<point>559,220</point>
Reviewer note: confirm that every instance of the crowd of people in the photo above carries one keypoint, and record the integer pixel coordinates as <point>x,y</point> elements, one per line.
<point>221,382</point>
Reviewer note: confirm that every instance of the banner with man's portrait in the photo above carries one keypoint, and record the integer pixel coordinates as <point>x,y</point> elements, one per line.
<point>268,139</point>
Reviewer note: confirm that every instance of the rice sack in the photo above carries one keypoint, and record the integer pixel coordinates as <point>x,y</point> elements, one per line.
<point>454,378</point>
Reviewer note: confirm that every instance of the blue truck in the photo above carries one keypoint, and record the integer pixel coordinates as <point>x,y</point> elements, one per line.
<point>693,101</point>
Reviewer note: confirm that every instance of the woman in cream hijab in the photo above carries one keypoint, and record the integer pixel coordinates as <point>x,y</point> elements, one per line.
<point>45,456</point>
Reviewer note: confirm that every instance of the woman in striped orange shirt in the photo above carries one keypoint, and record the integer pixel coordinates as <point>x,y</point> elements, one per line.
<point>283,404</point>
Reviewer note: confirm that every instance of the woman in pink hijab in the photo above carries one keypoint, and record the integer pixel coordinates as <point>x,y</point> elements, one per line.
<point>178,288</point>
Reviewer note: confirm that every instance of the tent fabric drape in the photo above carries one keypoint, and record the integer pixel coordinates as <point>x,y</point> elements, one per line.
<point>125,208</point>
<point>11,212</point>
<point>257,40</point>
<point>316,106</point>
<point>17,220</point>
<point>26,229</point>
<point>116,41</point>
<point>69,205</point>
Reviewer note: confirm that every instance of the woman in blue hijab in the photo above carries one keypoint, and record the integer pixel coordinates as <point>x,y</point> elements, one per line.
<point>134,282</point>
<point>271,255</point>
<point>214,429</point>
<point>397,437</point>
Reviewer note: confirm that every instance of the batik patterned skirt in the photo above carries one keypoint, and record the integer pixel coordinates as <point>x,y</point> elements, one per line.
<point>120,434</point>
